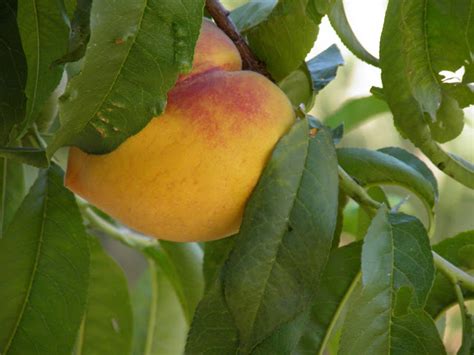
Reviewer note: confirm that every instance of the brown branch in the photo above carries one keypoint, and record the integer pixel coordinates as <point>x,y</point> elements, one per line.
<point>223,21</point>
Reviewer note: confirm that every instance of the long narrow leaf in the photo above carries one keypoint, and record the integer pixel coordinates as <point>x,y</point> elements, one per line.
<point>44,271</point>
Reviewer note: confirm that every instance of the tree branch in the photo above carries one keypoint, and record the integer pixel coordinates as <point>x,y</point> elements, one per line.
<point>221,17</point>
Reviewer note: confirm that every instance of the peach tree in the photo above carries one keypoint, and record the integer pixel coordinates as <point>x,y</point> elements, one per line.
<point>92,74</point>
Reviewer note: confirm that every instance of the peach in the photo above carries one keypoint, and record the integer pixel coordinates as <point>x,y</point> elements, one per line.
<point>189,173</point>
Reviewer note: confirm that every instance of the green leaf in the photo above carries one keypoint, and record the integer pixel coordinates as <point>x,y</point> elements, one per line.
<point>160,326</point>
<point>273,270</point>
<point>337,17</point>
<point>462,93</point>
<point>364,219</point>
<point>31,156</point>
<point>213,331</point>
<point>414,33</point>
<point>337,283</point>
<point>342,201</point>
<point>416,333</point>
<point>408,29</point>
<point>458,251</point>
<point>284,39</point>
<point>252,13</point>
<point>182,265</point>
<point>304,83</point>
<point>80,33</point>
<point>376,168</point>
<point>215,254</point>
<point>44,263</point>
<point>107,323</point>
<point>44,35</point>
<point>271,275</point>
<point>323,67</point>
<point>12,73</point>
<point>134,56</point>
<point>284,338</point>
<point>449,120</point>
<point>397,274</point>
<point>298,86</point>
<point>356,112</point>
<point>467,344</point>
<point>12,190</point>
<point>340,23</point>
<point>414,162</point>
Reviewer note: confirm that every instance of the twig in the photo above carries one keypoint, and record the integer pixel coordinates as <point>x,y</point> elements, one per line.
<point>359,195</point>
<point>453,273</point>
<point>465,321</point>
<point>221,17</point>
<point>123,235</point>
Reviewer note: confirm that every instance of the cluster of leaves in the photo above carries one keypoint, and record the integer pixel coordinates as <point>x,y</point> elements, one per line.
<point>283,284</point>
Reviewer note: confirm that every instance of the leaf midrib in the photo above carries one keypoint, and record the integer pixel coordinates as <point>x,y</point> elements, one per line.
<point>34,271</point>
<point>264,288</point>
<point>151,324</point>
<point>35,89</point>
<point>3,195</point>
<point>120,69</point>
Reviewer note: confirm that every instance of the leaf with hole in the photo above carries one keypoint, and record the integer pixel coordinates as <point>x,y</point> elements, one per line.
<point>417,44</point>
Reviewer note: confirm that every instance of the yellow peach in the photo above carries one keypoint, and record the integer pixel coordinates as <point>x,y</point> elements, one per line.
<point>189,173</point>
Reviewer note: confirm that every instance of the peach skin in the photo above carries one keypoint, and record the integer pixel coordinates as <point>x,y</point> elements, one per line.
<point>189,173</point>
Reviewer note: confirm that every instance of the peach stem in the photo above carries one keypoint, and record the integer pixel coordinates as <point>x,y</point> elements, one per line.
<point>225,23</point>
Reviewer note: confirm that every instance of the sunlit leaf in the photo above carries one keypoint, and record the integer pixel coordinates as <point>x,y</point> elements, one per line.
<point>337,16</point>
<point>417,44</point>
<point>284,39</point>
<point>134,56</point>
